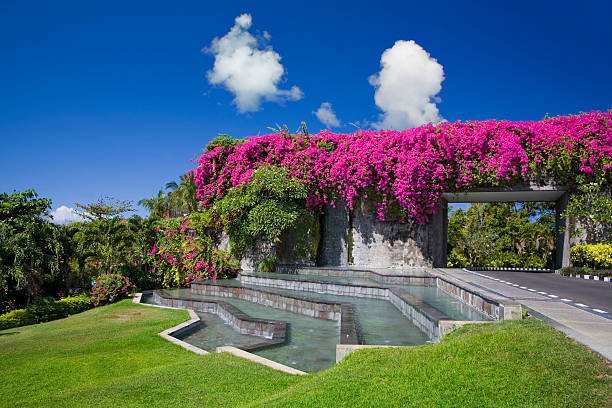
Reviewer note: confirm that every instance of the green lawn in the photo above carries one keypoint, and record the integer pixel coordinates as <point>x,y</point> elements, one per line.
<point>112,356</point>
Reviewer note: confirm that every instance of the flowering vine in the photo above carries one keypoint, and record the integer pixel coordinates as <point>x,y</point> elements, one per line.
<point>179,258</point>
<point>409,170</point>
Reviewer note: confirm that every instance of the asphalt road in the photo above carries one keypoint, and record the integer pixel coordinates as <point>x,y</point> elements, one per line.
<point>595,294</point>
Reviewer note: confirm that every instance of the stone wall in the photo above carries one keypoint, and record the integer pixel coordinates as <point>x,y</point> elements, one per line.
<point>388,244</point>
<point>261,249</point>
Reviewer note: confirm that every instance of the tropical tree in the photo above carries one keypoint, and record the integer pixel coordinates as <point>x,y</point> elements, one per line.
<point>157,205</point>
<point>503,234</point>
<point>104,208</point>
<point>104,243</point>
<point>592,207</point>
<point>183,195</point>
<point>28,250</point>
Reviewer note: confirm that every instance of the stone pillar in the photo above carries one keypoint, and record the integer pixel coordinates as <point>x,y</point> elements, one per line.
<point>563,233</point>
<point>334,236</point>
<point>439,229</point>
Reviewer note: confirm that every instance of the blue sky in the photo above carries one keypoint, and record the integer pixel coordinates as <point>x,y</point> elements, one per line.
<point>100,98</point>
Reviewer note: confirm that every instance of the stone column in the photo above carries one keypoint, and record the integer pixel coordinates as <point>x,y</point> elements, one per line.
<point>562,241</point>
<point>334,235</point>
<point>439,229</point>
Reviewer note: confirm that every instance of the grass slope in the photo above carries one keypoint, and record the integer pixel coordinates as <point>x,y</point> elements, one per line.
<point>112,356</point>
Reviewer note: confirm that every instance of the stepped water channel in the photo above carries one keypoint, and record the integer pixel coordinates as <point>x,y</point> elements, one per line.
<point>298,318</point>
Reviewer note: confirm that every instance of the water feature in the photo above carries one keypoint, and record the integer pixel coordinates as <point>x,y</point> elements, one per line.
<point>316,311</point>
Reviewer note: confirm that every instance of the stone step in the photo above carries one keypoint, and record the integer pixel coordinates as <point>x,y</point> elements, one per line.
<point>272,331</point>
<point>415,276</point>
<point>255,288</point>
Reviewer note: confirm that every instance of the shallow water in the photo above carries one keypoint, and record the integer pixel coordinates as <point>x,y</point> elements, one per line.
<point>311,343</point>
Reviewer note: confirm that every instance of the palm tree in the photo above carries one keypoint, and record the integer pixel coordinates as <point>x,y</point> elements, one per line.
<point>156,205</point>
<point>105,242</point>
<point>183,195</point>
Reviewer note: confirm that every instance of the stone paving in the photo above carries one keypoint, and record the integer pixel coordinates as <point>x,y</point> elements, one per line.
<point>591,329</point>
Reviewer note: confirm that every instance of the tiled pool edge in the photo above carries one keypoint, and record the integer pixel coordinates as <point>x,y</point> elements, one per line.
<point>496,307</point>
<point>178,329</point>
<point>273,331</point>
<point>425,317</point>
<point>195,320</point>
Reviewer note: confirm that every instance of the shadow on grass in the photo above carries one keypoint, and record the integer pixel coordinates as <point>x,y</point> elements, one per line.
<point>6,334</point>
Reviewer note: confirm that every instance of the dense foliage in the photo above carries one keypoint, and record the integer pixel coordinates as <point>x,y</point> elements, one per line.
<point>592,208</point>
<point>110,287</point>
<point>405,172</point>
<point>181,256</point>
<point>595,256</point>
<point>268,205</point>
<point>44,310</point>
<point>31,250</point>
<point>502,235</point>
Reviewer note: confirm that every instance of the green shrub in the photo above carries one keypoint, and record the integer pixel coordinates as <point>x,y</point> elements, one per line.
<point>16,318</point>
<point>533,261</point>
<point>456,260</point>
<point>110,287</point>
<point>44,310</point>
<point>268,265</point>
<point>504,259</point>
<point>76,304</point>
<point>596,256</point>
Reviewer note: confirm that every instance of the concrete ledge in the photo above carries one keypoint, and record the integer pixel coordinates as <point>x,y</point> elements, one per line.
<point>190,324</point>
<point>167,334</point>
<point>343,350</point>
<point>257,359</point>
<point>448,326</point>
<point>272,330</point>
<point>418,276</point>
<point>423,316</point>
<point>320,309</point>
<point>497,307</point>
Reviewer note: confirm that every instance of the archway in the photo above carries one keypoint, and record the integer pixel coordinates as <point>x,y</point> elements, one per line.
<point>558,195</point>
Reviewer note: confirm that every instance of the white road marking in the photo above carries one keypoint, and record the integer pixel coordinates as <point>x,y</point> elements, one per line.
<point>522,287</point>
<point>566,300</point>
<point>531,290</point>
<point>553,296</point>
<point>600,311</point>
<point>542,293</point>
<point>580,304</point>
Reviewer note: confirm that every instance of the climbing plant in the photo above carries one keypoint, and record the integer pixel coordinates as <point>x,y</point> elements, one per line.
<point>409,170</point>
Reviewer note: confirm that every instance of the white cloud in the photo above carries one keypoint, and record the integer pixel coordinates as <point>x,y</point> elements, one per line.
<point>406,86</point>
<point>65,215</point>
<point>326,115</point>
<point>247,69</point>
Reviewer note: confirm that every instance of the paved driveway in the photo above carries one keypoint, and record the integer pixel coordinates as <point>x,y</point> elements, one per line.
<point>594,294</point>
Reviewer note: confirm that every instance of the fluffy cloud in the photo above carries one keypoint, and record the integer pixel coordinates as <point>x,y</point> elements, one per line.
<point>65,215</point>
<point>406,86</point>
<point>326,115</point>
<point>248,69</point>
